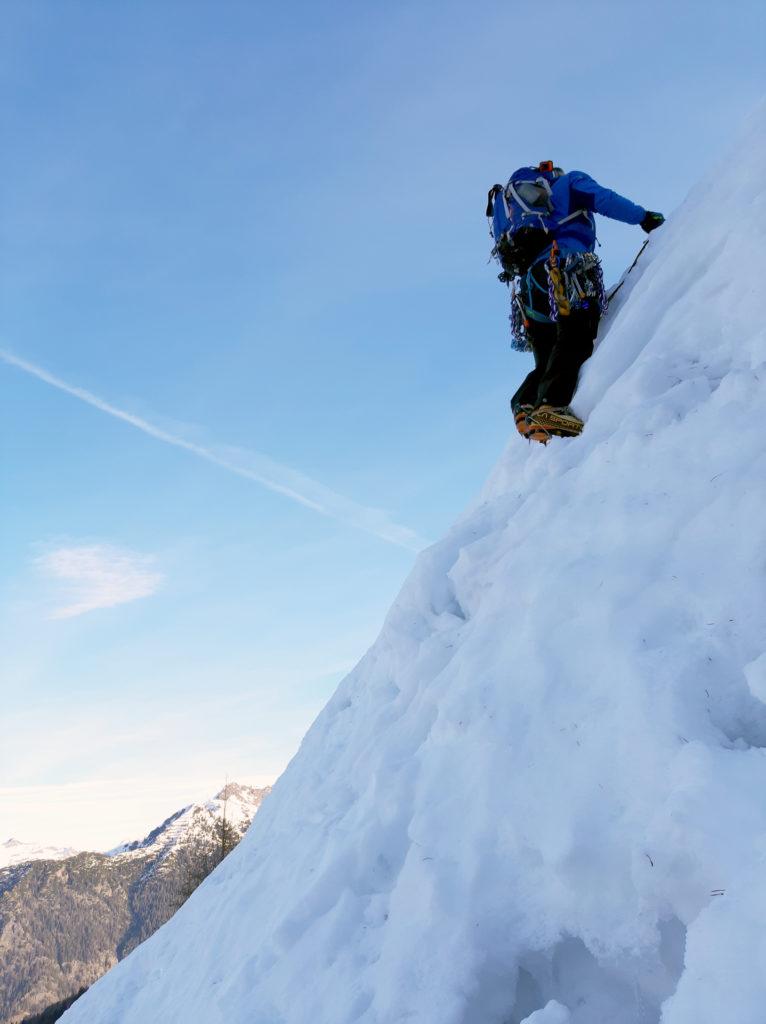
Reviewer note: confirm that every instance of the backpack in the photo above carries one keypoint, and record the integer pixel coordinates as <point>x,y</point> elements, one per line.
<point>523,222</point>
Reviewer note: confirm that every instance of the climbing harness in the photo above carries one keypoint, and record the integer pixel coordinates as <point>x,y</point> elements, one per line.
<point>556,287</point>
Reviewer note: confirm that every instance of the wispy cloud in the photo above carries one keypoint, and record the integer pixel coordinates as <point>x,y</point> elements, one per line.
<point>252,465</point>
<point>98,576</point>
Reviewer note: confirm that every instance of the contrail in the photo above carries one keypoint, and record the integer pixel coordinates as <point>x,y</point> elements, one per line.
<point>252,465</point>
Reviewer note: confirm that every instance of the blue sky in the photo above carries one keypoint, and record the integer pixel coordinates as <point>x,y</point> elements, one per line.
<point>258,231</point>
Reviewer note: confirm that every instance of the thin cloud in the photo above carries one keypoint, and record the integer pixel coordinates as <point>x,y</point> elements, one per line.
<point>98,576</point>
<point>252,465</point>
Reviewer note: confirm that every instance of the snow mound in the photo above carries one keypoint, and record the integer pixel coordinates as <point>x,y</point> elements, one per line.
<point>540,796</point>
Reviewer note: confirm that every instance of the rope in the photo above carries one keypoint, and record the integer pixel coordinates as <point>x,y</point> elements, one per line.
<point>614,291</point>
<point>557,296</point>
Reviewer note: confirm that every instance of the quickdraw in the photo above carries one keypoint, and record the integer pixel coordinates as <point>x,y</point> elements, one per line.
<point>574,283</point>
<point>519,322</point>
<point>586,279</point>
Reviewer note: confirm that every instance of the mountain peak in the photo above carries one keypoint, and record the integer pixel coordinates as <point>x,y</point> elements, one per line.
<point>239,802</point>
<point>240,791</point>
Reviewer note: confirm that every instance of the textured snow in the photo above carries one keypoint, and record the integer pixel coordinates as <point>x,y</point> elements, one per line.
<point>540,797</point>
<point>14,851</point>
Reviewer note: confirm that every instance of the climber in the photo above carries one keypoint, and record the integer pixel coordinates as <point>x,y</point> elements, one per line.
<point>543,226</point>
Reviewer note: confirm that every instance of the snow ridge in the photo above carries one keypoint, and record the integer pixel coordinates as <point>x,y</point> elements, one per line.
<point>538,799</point>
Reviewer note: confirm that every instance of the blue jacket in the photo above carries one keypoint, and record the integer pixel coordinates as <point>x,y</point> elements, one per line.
<point>578,191</point>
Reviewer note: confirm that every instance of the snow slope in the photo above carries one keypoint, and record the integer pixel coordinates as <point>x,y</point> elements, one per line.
<point>541,795</point>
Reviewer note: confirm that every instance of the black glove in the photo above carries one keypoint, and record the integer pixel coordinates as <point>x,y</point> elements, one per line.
<point>652,221</point>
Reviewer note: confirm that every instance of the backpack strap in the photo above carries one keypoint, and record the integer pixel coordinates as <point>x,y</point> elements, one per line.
<point>528,209</point>
<point>529,212</point>
<point>571,216</point>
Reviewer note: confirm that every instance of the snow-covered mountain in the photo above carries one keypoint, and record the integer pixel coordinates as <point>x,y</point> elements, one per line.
<point>541,796</point>
<point>235,803</point>
<point>64,922</point>
<point>14,851</point>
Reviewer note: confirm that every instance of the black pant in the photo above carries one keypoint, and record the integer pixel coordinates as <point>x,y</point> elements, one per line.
<point>559,347</point>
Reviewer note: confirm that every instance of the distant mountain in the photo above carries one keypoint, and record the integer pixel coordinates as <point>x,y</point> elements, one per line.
<point>237,801</point>
<point>66,919</point>
<point>14,851</point>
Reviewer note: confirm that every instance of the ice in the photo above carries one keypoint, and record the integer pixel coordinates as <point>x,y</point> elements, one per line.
<point>540,796</point>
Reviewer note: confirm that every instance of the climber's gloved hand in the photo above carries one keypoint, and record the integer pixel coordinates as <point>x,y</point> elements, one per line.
<point>651,221</point>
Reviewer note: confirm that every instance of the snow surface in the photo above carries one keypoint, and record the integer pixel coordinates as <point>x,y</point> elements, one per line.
<point>553,1013</point>
<point>14,851</point>
<point>541,796</point>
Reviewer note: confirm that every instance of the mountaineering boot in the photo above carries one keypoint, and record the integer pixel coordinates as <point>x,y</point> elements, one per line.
<point>558,420</point>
